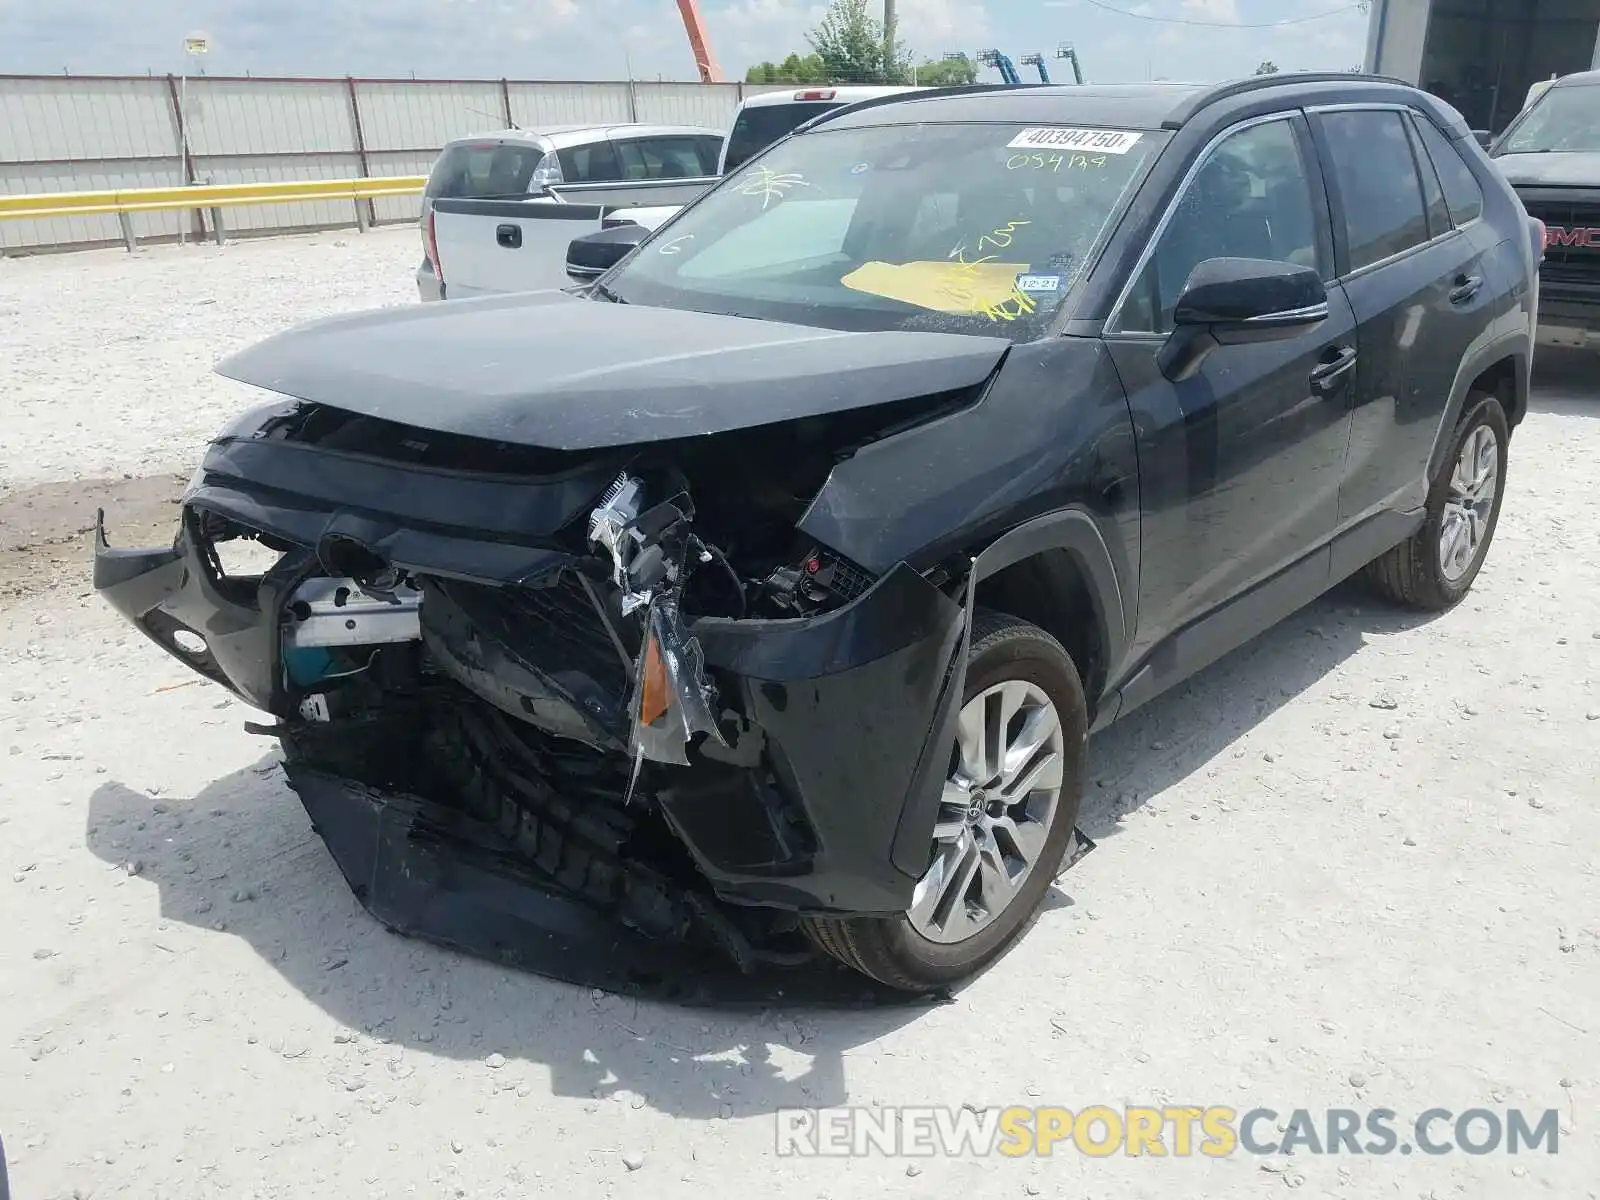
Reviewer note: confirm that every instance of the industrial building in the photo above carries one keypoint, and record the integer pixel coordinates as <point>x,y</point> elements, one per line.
<point>1483,55</point>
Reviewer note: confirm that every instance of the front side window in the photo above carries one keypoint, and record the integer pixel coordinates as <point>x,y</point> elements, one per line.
<point>961,228</point>
<point>1252,199</point>
<point>1378,183</point>
<point>1564,119</point>
<point>665,158</point>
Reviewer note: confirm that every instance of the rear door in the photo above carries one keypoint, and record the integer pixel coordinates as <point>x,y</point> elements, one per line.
<point>1239,466</point>
<point>1420,289</point>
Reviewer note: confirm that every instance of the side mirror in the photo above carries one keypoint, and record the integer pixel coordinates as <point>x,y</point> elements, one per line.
<point>1238,301</point>
<point>592,255</point>
<point>1485,138</point>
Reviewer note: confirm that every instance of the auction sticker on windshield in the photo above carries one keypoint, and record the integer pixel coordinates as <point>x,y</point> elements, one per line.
<point>1056,137</point>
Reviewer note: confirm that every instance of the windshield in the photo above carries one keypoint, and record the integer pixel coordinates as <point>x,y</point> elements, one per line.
<point>956,228</point>
<point>1564,119</point>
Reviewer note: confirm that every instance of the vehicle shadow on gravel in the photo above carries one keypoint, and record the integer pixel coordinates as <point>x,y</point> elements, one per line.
<point>1176,734</point>
<point>1564,383</point>
<point>240,860</point>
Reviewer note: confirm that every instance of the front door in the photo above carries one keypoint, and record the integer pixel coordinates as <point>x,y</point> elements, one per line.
<point>1239,466</point>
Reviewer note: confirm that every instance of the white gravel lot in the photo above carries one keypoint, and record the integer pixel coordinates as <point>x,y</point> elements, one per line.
<point>1353,865</point>
<point>106,356</point>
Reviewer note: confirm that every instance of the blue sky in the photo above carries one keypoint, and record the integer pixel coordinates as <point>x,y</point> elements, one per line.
<point>571,39</point>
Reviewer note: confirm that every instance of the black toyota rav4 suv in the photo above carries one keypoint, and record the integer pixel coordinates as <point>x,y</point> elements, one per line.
<point>760,598</point>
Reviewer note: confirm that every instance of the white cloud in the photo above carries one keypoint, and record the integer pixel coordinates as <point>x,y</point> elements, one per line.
<point>1224,12</point>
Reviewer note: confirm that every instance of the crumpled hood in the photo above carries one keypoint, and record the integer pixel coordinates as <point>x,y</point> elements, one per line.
<point>553,370</point>
<point>1551,170</point>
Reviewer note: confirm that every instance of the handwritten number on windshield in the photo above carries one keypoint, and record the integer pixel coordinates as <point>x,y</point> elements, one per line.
<point>1054,162</point>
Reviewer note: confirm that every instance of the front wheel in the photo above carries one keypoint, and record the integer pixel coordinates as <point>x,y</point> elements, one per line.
<point>1005,819</point>
<point>1433,569</point>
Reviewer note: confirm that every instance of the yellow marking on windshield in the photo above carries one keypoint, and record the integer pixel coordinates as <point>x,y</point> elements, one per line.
<point>981,288</point>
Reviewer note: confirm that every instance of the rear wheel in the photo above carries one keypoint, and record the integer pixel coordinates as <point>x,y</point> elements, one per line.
<point>1435,568</point>
<point>1005,818</point>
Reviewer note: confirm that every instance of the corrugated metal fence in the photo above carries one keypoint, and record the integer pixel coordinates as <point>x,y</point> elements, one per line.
<point>74,133</point>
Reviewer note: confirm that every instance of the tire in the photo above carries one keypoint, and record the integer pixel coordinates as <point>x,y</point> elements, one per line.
<point>894,950</point>
<point>1418,572</point>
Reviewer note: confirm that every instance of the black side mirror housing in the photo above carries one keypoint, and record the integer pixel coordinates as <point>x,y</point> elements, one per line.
<point>593,254</point>
<point>1485,138</point>
<point>1239,301</point>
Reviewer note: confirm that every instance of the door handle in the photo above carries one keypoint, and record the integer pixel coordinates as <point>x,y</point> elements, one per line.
<point>1334,367</point>
<point>509,236</point>
<point>1467,286</point>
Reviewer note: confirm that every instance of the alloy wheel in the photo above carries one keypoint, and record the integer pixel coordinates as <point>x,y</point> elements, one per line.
<point>1474,484</point>
<point>995,813</point>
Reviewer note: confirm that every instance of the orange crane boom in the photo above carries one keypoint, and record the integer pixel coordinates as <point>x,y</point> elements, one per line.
<point>709,71</point>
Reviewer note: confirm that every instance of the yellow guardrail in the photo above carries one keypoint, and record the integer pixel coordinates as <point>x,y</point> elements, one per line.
<point>204,195</point>
<point>124,202</point>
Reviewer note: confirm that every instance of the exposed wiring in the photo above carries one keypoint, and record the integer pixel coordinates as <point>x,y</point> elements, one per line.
<point>1139,16</point>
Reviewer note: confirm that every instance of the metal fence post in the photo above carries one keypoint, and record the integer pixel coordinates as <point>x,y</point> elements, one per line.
<point>505,102</point>
<point>366,210</point>
<point>186,158</point>
<point>125,219</point>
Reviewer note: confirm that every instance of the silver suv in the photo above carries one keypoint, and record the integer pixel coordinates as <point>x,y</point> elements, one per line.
<point>523,162</point>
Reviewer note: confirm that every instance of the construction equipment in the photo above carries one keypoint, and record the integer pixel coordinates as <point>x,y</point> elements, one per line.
<point>1067,51</point>
<point>698,42</point>
<point>1002,63</point>
<point>1036,60</point>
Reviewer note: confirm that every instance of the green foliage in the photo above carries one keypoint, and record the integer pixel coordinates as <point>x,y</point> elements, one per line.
<point>948,73</point>
<point>1267,68</point>
<point>793,69</point>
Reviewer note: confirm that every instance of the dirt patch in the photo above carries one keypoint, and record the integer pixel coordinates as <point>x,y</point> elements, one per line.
<point>45,531</point>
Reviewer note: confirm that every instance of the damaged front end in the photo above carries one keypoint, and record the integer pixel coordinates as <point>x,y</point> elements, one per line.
<point>605,713</point>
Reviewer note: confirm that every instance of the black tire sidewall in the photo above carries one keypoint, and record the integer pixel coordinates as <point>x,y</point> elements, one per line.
<point>1481,410</point>
<point>1023,655</point>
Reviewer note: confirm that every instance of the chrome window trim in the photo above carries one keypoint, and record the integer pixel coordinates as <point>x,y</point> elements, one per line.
<point>1113,325</point>
<point>1323,311</point>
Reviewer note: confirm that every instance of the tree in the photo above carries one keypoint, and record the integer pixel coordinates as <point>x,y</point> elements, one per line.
<point>793,69</point>
<point>849,41</point>
<point>1267,68</point>
<point>948,72</point>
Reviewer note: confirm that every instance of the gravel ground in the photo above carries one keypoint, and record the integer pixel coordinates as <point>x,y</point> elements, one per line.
<point>1352,865</point>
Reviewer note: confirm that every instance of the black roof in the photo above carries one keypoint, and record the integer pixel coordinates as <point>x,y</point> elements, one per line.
<point>1127,105</point>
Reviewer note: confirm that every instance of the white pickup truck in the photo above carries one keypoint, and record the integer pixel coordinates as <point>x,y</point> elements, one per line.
<point>478,247</point>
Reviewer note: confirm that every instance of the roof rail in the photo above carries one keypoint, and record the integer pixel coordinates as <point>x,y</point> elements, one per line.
<point>1260,83</point>
<point>954,89</point>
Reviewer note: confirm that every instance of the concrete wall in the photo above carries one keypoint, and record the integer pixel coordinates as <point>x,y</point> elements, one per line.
<point>1397,31</point>
<point>75,133</point>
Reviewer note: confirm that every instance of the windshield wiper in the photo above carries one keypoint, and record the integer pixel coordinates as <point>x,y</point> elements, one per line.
<point>606,293</point>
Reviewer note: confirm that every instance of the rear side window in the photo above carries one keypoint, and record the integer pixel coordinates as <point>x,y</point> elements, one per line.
<point>1461,189</point>
<point>1377,177</point>
<point>1438,213</point>
<point>757,127</point>
<point>481,170</point>
<point>594,163</point>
